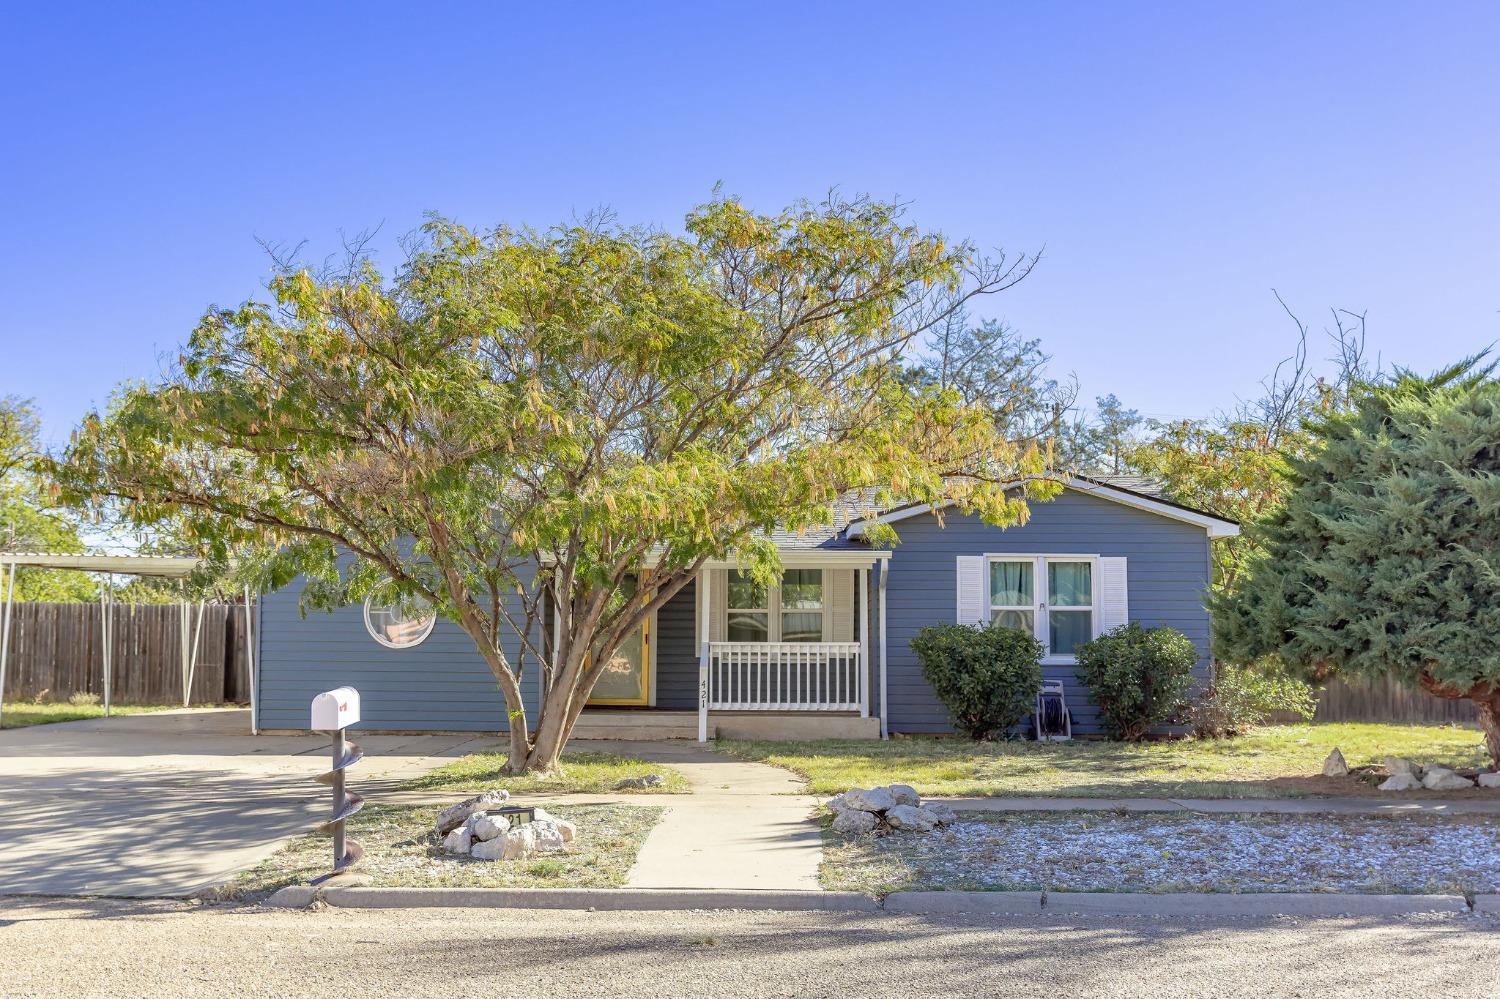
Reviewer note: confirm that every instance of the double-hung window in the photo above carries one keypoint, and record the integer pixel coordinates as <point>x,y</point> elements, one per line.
<point>790,611</point>
<point>749,609</point>
<point>1051,598</point>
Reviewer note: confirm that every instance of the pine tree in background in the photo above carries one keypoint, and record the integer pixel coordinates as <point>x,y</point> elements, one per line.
<point>1385,558</point>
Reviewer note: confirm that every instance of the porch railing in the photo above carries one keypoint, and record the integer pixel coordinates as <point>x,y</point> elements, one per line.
<point>783,676</point>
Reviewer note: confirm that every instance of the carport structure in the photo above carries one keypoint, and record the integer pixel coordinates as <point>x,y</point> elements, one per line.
<point>158,566</point>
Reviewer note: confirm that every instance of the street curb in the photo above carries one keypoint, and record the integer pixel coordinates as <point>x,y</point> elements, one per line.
<point>604,899</point>
<point>1487,903</point>
<point>917,903</point>
<point>998,903</point>
<point>1248,904</point>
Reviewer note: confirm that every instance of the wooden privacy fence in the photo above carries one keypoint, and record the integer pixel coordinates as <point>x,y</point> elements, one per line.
<point>1386,700</point>
<point>55,648</point>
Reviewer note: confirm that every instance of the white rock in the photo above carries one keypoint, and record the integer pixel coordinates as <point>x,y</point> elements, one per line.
<point>905,794</point>
<point>493,849</point>
<point>851,822</point>
<point>910,818</point>
<point>458,840</point>
<point>549,837</point>
<point>650,780</point>
<point>454,816</point>
<point>1443,779</point>
<point>835,803</point>
<point>1488,779</point>
<point>518,844</point>
<point>1401,782</point>
<point>487,827</point>
<point>1401,765</point>
<point>1335,766</point>
<point>941,813</point>
<point>877,800</point>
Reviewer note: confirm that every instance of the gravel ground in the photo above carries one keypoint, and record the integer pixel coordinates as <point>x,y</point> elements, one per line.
<point>105,948</point>
<point>1075,851</point>
<point>401,850</point>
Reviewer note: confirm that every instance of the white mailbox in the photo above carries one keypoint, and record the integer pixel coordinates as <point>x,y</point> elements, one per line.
<point>335,709</point>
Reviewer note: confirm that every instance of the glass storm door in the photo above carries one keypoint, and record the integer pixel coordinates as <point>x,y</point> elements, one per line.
<point>626,680</point>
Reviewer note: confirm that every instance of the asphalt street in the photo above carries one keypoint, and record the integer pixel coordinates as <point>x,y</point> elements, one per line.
<point>157,948</point>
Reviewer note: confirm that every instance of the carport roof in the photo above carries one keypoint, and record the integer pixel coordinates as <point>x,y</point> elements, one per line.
<point>170,566</point>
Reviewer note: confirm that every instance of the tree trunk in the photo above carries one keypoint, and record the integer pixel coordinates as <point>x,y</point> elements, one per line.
<point>1489,720</point>
<point>1487,697</point>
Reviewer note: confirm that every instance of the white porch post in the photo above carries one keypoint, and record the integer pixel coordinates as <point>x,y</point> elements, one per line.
<point>863,603</point>
<point>885,704</point>
<point>250,668</point>
<point>703,577</point>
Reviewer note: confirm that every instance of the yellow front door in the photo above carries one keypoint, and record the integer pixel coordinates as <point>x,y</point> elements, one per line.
<point>627,678</point>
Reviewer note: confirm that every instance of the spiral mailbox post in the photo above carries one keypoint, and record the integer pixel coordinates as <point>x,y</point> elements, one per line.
<point>333,711</point>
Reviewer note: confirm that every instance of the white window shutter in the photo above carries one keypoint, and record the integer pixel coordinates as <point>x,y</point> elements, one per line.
<point>838,605</point>
<point>718,604</point>
<point>973,590</point>
<point>1114,594</point>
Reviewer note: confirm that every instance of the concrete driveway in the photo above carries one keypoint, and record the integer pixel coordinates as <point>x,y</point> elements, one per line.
<point>171,803</point>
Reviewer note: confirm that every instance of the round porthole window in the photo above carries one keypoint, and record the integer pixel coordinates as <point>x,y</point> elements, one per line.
<point>395,621</point>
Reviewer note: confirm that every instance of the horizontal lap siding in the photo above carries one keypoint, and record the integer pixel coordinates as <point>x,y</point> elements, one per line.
<point>677,651</point>
<point>442,684</point>
<point>1168,574</point>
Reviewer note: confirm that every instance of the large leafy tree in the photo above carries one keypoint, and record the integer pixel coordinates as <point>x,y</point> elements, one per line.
<point>517,412</point>
<point>1385,556</point>
<point>30,518</point>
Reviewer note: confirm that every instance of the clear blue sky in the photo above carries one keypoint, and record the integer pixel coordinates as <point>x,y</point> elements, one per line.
<point>1177,160</point>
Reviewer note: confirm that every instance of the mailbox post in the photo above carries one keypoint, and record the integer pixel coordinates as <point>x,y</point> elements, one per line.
<point>333,711</point>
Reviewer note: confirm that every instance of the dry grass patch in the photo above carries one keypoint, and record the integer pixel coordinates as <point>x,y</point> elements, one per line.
<point>28,713</point>
<point>1279,761</point>
<point>401,850</point>
<point>582,773</point>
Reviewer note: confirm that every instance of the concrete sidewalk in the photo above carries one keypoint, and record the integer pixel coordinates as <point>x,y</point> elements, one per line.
<point>744,826</point>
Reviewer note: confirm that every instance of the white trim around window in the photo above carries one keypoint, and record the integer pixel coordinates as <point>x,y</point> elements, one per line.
<point>1033,578</point>
<point>773,609</point>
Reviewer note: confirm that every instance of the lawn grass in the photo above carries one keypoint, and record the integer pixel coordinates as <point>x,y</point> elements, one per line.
<point>402,850</point>
<point>25,713</point>
<point>582,773</point>
<point>1279,761</point>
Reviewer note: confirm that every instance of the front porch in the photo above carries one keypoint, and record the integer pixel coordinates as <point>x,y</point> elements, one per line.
<point>650,724</point>
<point>802,658</point>
<point>791,689</point>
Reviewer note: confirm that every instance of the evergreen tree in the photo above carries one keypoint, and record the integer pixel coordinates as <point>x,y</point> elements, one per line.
<point>1385,557</point>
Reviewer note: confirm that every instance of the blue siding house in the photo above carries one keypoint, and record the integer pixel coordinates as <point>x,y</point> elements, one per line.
<point>825,653</point>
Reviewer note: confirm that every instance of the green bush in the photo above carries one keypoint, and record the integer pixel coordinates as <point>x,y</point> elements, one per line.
<point>987,676</point>
<point>1139,678</point>
<point>1242,697</point>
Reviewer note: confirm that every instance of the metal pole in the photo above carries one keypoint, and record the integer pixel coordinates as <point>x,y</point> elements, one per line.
<point>182,642</point>
<point>10,599</point>
<point>338,801</point>
<point>107,599</point>
<point>250,666</point>
<point>193,654</point>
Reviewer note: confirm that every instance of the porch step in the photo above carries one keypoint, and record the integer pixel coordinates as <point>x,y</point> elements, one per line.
<point>596,724</point>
